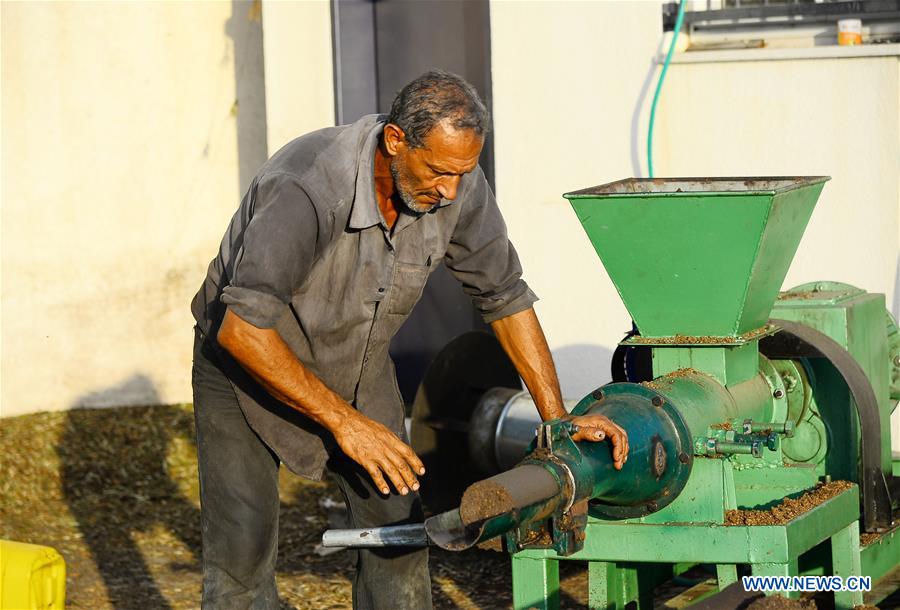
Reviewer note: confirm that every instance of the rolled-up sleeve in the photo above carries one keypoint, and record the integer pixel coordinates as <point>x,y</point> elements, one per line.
<point>276,253</point>
<point>482,258</point>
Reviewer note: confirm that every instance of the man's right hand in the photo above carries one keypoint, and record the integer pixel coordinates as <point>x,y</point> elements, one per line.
<point>265,355</point>
<point>378,450</point>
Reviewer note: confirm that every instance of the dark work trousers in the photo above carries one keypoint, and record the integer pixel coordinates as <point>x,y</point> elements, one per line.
<point>239,510</point>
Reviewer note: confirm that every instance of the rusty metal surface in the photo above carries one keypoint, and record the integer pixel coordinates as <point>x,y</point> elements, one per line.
<point>677,186</point>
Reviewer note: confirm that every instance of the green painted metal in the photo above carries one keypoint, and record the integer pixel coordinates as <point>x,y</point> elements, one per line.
<point>697,257</point>
<point>856,320</point>
<point>845,561</point>
<point>879,557</point>
<point>714,543</point>
<point>730,365</point>
<point>787,568</point>
<point>893,335</point>
<point>656,430</point>
<point>535,583</point>
<point>703,315</point>
<point>760,484</point>
<point>701,500</point>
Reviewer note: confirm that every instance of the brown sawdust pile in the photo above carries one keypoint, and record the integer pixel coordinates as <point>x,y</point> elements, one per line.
<point>789,508</point>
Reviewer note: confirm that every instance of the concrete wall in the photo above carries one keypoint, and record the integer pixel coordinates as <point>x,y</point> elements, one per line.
<point>571,82</point>
<point>129,131</point>
<point>299,71</point>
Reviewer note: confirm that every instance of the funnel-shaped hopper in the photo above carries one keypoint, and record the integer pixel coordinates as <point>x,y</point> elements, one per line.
<point>701,257</point>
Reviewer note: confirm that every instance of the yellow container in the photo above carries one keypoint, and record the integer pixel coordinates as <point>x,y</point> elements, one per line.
<point>849,32</point>
<point>31,577</point>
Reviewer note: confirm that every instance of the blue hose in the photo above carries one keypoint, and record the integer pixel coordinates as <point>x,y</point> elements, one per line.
<point>659,84</point>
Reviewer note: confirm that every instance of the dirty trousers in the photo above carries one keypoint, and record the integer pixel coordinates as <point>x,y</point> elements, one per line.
<point>239,510</point>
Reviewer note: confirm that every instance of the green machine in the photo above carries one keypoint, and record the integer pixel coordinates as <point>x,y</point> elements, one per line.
<point>758,421</point>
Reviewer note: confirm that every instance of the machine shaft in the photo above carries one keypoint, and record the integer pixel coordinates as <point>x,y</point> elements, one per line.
<point>391,535</point>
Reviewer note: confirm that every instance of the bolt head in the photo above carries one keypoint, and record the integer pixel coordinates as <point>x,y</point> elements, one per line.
<point>684,458</point>
<point>657,401</point>
<point>597,394</point>
<point>779,393</point>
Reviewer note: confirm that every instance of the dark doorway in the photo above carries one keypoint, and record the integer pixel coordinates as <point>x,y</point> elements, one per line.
<point>379,46</point>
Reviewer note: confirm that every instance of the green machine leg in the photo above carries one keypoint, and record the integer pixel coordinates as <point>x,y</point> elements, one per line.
<point>845,561</point>
<point>726,573</point>
<point>777,569</point>
<point>535,583</point>
<point>612,586</point>
<point>603,586</point>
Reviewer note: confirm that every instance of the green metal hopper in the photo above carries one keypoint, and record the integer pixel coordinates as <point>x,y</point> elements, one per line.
<point>700,260</point>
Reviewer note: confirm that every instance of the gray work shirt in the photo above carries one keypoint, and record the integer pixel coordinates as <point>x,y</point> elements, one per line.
<point>309,254</point>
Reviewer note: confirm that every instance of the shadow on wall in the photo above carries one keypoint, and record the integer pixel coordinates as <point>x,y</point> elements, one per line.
<point>115,479</point>
<point>582,368</point>
<point>245,30</point>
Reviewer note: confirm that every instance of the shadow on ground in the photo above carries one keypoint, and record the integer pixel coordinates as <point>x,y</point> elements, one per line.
<point>115,477</point>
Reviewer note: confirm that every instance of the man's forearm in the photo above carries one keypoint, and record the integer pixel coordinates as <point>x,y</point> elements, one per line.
<point>264,355</point>
<point>523,339</point>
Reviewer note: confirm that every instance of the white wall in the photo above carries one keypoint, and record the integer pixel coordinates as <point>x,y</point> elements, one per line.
<point>299,72</point>
<point>121,166</point>
<point>570,89</point>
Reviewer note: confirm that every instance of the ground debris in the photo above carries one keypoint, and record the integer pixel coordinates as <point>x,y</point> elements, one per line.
<point>115,492</point>
<point>789,508</point>
<point>778,602</point>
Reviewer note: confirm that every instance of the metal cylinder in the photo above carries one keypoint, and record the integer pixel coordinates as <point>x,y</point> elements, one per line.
<point>489,508</point>
<point>391,535</point>
<point>508,491</point>
<point>502,428</point>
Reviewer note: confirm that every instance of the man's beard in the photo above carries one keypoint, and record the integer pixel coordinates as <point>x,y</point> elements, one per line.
<point>410,205</point>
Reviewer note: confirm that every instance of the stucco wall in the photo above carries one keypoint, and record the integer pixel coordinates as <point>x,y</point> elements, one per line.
<point>299,72</point>
<point>128,133</point>
<point>570,88</point>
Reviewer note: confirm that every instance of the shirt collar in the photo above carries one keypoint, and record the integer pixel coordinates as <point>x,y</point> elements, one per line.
<point>365,212</point>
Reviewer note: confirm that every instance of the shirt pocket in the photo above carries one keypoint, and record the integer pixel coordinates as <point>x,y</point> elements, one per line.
<point>407,284</point>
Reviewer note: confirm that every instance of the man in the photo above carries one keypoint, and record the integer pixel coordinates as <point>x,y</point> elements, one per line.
<point>323,261</point>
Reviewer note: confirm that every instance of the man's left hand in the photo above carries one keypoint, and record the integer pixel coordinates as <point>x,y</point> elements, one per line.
<point>597,428</point>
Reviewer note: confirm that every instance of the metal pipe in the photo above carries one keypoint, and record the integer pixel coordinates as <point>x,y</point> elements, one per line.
<point>390,535</point>
<point>502,428</point>
<point>525,494</point>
